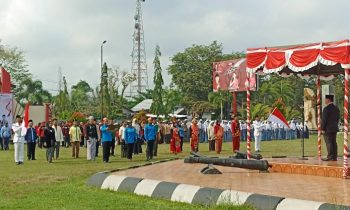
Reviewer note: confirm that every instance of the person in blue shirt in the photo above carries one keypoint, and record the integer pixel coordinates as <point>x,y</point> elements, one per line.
<point>5,135</point>
<point>31,138</point>
<point>150,136</point>
<point>181,133</point>
<point>130,137</point>
<point>106,138</point>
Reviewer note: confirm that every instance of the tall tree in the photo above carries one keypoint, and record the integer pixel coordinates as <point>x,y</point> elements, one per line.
<point>33,92</point>
<point>62,103</point>
<point>157,106</point>
<point>173,98</point>
<point>81,96</point>
<point>13,60</point>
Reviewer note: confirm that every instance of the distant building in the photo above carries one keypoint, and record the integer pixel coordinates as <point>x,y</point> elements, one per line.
<point>143,105</point>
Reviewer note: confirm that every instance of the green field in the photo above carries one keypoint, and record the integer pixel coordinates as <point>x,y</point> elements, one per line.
<point>62,185</point>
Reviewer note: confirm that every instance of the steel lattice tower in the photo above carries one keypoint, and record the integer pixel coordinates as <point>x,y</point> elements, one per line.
<point>139,65</point>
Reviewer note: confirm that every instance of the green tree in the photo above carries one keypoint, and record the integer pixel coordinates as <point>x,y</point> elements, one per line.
<point>157,106</point>
<point>81,97</point>
<point>191,70</point>
<point>172,99</point>
<point>148,94</point>
<point>13,60</point>
<point>62,102</point>
<point>33,92</point>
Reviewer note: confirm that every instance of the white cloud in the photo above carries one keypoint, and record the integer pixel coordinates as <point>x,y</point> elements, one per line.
<point>68,33</point>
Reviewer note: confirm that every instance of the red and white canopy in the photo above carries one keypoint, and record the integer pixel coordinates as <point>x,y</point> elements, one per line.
<point>325,59</point>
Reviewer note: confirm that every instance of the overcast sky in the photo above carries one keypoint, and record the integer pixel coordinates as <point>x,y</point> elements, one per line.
<point>68,33</point>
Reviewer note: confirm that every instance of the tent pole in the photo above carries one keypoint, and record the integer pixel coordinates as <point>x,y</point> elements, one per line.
<point>319,116</point>
<point>248,116</point>
<point>346,123</point>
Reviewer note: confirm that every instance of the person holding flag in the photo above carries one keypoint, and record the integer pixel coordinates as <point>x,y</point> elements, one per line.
<point>258,127</point>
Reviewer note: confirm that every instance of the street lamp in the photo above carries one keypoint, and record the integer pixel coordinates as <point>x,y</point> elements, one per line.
<point>102,76</point>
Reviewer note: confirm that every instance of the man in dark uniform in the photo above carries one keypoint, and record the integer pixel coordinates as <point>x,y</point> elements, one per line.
<point>329,126</point>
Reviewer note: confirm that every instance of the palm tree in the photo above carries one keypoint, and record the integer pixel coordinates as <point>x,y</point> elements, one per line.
<point>269,91</point>
<point>33,92</point>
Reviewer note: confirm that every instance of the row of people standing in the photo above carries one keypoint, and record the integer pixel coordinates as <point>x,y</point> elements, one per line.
<point>23,134</point>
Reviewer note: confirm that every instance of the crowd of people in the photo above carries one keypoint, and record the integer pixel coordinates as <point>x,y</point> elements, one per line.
<point>131,135</point>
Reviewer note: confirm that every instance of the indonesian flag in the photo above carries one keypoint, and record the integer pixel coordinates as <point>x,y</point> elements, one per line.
<point>277,117</point>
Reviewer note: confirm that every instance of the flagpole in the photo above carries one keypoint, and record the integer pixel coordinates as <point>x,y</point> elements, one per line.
<point>302,137</point>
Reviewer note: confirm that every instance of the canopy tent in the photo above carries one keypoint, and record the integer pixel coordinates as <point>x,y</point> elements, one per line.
<point>325,59</point>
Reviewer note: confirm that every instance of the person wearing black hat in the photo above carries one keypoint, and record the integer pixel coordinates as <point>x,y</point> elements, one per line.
<point>329,127</point>
<point>31,138</point>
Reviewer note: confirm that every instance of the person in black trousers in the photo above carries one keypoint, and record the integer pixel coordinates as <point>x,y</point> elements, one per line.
<point>130,138</point>
<point>49,141</point>
<point>31,138</point>
<point>329,127</point>
<point>106,137</point>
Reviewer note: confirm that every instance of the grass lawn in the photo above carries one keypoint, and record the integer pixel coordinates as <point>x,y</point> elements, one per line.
<point>62,185</point>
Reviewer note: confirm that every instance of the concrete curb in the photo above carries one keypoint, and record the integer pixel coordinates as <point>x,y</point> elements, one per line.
<point>202,195</point>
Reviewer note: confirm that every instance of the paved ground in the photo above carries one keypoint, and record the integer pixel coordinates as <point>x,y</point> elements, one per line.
<point>315,188</point>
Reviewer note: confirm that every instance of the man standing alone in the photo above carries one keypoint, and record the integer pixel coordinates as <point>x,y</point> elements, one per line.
<point>31,137</point>
<point>18,139</point>
<point>329,127</point>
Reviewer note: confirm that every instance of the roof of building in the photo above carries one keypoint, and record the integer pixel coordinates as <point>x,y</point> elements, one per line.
<point>143,105</point>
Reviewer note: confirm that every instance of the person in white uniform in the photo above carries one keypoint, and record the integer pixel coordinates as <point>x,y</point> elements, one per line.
<point>18,140</point>
<point>258,126</point>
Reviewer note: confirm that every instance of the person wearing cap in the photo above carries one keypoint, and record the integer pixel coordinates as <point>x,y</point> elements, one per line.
<point>58,136</point>
<point>75,138</point>
<point>258,127</point>
<point>91,137</point>
<point>18,140</point>
<point>329,127</point>
<point>106,138</point>
<point>150,136</point>
<point>130,139</point>
<point>31,138</point>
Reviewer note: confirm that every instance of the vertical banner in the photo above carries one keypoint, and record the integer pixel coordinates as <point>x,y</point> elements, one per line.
<point>6,108</point>
<point>231,75</point>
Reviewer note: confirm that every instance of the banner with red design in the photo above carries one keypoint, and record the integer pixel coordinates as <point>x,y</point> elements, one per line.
<point>231,75</point>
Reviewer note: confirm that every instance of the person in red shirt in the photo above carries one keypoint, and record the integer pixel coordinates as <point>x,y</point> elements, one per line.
<point>40,131</point>
<point>219,134</point>
<point>236,133</point>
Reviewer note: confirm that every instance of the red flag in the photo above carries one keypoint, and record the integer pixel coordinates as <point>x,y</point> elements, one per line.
<point>26,115</point>
<point>277,117</point>
<point>5,81</point>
